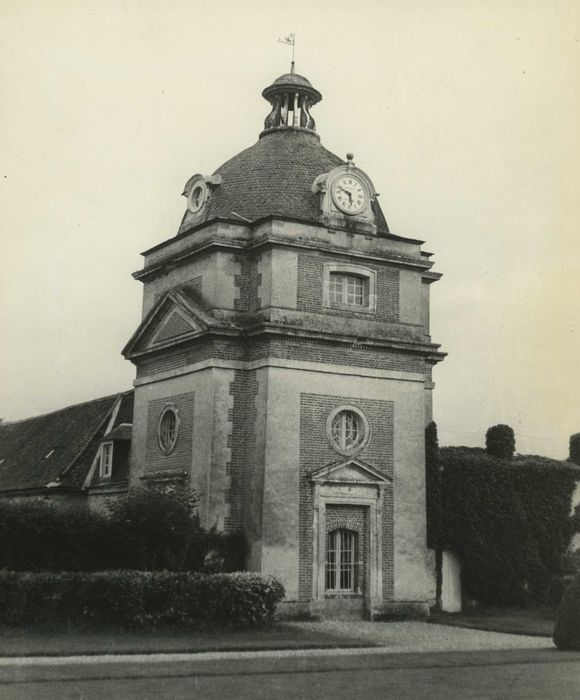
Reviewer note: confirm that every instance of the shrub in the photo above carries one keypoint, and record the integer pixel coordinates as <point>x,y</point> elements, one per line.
<point>558,586</point>
<point>433,485</point>
<point>225,551</point>
<point>149,530</point>
<point>571,561</point>
<point>567,629</point>
<point>500,441</point>
<point>138,599</point>
<point>155,529</point>
<point>575,448</point>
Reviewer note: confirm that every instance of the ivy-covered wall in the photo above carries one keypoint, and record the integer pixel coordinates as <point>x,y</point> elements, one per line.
<point>509,521</point>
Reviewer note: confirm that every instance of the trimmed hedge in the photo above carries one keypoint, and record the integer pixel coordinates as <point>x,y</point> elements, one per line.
<point>149,530</point>
<point>575,448</point>
<point>37,536</point>
<point>567,629</point>
<point>500,441</point>
<point>138,599</point>
<point>509,521</point>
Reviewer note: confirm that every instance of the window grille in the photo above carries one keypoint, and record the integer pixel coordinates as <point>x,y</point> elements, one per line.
<point>340,561</point>
<point>347,430</point>
<point>106,467</point>
<point>350,290</point>
<point>168,429</point>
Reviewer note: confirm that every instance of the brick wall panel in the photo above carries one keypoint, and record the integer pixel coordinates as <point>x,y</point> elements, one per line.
<point>316,452</point>
<point>311,288</point>
<point>248,281</point>
<point>180,458</point>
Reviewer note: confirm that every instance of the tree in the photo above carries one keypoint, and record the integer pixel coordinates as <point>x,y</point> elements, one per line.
<point>155,529</point>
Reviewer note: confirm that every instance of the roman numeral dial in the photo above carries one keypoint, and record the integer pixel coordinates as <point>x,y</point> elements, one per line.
<point>349,194</point>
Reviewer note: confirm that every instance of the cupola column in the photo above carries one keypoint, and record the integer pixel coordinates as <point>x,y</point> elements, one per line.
<point>291,97</point>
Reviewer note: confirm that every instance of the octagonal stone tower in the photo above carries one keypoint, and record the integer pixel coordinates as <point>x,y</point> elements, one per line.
<point>284,368</point>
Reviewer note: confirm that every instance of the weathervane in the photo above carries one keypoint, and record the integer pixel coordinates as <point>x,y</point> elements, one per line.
<point>289,40</point>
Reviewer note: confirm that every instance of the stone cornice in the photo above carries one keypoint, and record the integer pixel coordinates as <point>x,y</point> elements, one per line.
<point>272,240</point>
<point>281,363</point>
<point>283,232</point>
<point>430,351</point>
<point>272,217</point>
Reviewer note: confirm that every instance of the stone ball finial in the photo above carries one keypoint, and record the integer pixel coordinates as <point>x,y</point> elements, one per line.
<point>349,156</point>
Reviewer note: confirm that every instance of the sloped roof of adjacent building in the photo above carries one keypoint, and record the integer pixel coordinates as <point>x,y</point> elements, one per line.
<point>59,445</point>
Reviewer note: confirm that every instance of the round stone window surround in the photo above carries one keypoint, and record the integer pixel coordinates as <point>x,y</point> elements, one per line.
<point>363,425</point>
<point>167,444</point>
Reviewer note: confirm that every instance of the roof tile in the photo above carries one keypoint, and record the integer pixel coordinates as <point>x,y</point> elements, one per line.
<point>25,445</point>
<point>273,177</point>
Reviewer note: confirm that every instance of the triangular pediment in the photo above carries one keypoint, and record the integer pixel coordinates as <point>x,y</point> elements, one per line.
<point>350,470</point>
<point>174,318</point>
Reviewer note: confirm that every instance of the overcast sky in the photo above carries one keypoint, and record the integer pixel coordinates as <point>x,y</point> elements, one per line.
<point>464,113</point>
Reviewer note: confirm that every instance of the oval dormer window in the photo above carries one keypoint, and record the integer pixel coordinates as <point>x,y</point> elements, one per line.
<point>197,196</point>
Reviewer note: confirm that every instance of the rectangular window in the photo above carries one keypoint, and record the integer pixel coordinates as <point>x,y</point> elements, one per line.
<point>349,290</point>
<point>340,561</point>
<point>106,467</point>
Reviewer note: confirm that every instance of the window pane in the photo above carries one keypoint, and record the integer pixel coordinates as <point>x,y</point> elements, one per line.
<point>347,431</point>
<point>331,561</point>
<point>347,289</point>
<point>337,431</point>
<point>354,291</point>
<point>336,289</point>
<point>106,459</point>
<point>340,561</point>
<point>351,429</point>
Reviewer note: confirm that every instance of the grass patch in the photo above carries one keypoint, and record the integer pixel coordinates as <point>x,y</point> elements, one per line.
<point>65,640</point>
<point>535,621</point>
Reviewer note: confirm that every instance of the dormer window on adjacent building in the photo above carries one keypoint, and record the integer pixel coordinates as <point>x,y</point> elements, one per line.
<point>106,463</point>
<point>349,287</point>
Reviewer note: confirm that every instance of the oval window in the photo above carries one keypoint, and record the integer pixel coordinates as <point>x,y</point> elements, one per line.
<point>168,429</point>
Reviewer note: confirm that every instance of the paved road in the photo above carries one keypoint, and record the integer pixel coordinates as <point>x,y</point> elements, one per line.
<point>337,674</point>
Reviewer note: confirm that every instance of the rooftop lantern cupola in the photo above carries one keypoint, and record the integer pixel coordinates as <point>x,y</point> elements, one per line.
<point>291,96</point>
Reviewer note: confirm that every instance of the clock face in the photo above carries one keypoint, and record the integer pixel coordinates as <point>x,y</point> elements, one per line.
<point>348,194</point>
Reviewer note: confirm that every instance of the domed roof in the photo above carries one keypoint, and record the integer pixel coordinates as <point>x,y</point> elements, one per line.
<point>276,174</point>
<point>292,79</point>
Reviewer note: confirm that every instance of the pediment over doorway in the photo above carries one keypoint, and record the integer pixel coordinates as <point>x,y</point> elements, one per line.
<point>350,471</point>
